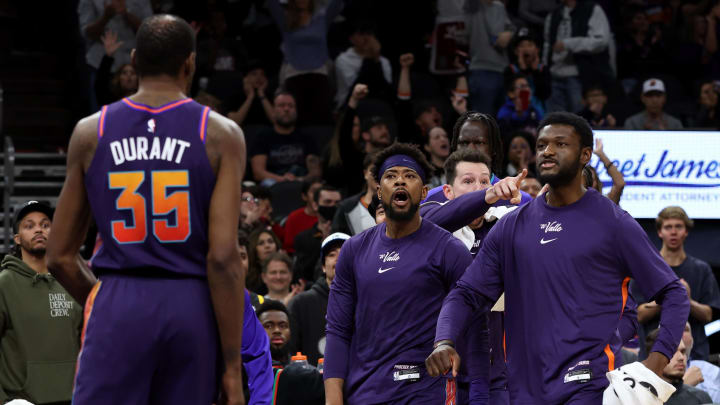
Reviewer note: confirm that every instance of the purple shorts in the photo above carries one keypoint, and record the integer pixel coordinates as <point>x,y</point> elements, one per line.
<point>148,341</point>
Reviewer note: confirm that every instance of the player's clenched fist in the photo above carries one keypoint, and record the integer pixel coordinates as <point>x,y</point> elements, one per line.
<point>442,359</point>
<point>506,189</point>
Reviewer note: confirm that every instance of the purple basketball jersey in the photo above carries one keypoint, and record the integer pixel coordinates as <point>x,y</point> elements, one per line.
<point>149,187</point>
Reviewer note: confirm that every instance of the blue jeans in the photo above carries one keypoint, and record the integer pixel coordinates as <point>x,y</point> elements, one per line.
<point>486,91</point>
<point>566,95</point>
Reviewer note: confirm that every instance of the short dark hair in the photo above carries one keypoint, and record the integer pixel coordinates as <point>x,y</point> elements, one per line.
<point>593,87</point>
<point>579,124</point>
<point>282,92</point>
<point>493,131</point>
<point>401,149</point>
<point>463,155</point>
<point>164,43</point>
<point>272,305</point>
<point>368,160</point>
<point>308,182</point>
<point>423,105</point>
<point>260,192</point>
<point>324,187</point>
<point>277,257</point>
<point>511,79</point>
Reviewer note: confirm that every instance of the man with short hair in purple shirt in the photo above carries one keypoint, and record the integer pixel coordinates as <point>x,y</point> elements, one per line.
<point>564,261</point>
<point>388,289</point>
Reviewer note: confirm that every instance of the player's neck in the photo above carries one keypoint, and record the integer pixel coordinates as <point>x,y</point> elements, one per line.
<point>38,264</point>
<point>401,229</point>
<point>158,91</point>
<point>567,194</point>
<point>673,257</point>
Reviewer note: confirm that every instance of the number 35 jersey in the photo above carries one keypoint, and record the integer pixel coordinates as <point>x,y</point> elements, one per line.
<point>149,187</point>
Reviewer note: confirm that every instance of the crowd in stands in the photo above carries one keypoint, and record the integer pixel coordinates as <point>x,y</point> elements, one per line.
<point>320,86</point>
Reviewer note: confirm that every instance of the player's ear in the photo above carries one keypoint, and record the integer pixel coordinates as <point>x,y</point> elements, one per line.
<point>132,59</point>
<point>190,65</point>
<point>585,155</point>
<point>424,192</point>
<point>448,191</point>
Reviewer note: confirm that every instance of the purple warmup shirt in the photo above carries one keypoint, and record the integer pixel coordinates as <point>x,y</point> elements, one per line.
<point>565,272</point>
<point>383,305</point>
<point>149,187</point>
<point>256,357</point>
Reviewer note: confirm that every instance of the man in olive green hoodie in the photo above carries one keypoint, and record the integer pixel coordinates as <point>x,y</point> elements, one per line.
<point>40,323</point>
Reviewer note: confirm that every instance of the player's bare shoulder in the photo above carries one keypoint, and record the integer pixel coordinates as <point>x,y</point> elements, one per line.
<point>224,136</point>
<point>84,140</point>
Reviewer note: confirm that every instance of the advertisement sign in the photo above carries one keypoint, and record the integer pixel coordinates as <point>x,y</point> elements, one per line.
<point>663,168</point>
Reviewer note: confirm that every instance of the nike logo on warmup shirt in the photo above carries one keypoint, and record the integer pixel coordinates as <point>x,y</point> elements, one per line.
<point>553,226</point>
<point>543,241</point>
<point>381,270</point>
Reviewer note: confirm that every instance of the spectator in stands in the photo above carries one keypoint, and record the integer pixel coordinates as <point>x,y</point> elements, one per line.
<point>352,141</point>
<point>437,148</point>
<point>254,209</point>
<point>673,374</point>
<point>700,373</point>
<point>531,186</point>
<point>529,64</point>
<point>673,226</point>
<point>653,117</point>
<point>352,216</point>
<point>123,18</point>
<point>490,34</point>
<point>283,153</point>
<point>40,338</point>
<point>641,50</point>
<point>274,317</point>
<point>254,106</point>
<point>263,243</point>
<point>108,87</point>
<point>244,244</point>
<point>708,115</point>
<point>518,113</point>
<point>480,132</point>
<point>592,180</point>
<point>520,154</point>
<point>595,112</point>
<point>277,276</point>
<point>304,217</point>
<point>305,68</point>
<point>362,63</point>
<point>307,243</point>
<point>308,309</point>
<point>577,36</point>
<point>696,50</point>
<point>217,49</point>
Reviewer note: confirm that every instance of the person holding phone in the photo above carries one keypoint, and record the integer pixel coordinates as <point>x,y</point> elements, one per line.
<point>518,113</point>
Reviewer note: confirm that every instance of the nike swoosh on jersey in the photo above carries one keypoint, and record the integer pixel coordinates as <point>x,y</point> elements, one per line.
<point>381,270</point>
<point>543,241</point>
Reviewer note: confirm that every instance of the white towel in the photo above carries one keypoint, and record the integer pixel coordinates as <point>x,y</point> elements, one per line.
<point>635,384</point>
<point>494,213</point>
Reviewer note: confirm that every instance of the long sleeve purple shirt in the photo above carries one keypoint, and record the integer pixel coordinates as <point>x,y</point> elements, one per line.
<point>383,307</point>
<point>564,271</point>
<point>256,357</point>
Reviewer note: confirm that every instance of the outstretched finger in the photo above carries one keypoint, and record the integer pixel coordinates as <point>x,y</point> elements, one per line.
<point>521,176</point>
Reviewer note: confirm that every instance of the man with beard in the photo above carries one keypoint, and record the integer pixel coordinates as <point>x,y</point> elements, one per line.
<point>274,317</point>
<point>392,279</point>
<point>564,259</point>
<point>39,321</point>
<point>283,153</point>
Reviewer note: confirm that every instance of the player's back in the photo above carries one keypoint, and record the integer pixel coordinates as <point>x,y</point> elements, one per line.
<point>149,187</point>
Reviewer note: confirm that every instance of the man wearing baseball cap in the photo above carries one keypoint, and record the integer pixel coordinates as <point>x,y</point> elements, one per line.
<point>308,309</point>
<point>653,117</point>
<point>39,321</point>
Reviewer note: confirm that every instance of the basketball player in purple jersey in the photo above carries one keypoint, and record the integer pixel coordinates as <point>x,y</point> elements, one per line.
<point>564,261</point>
<point>161,175</point>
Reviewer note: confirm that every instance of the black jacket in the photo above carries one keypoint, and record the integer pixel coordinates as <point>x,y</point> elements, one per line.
<point>307,253</point>
<point>307,320</point>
